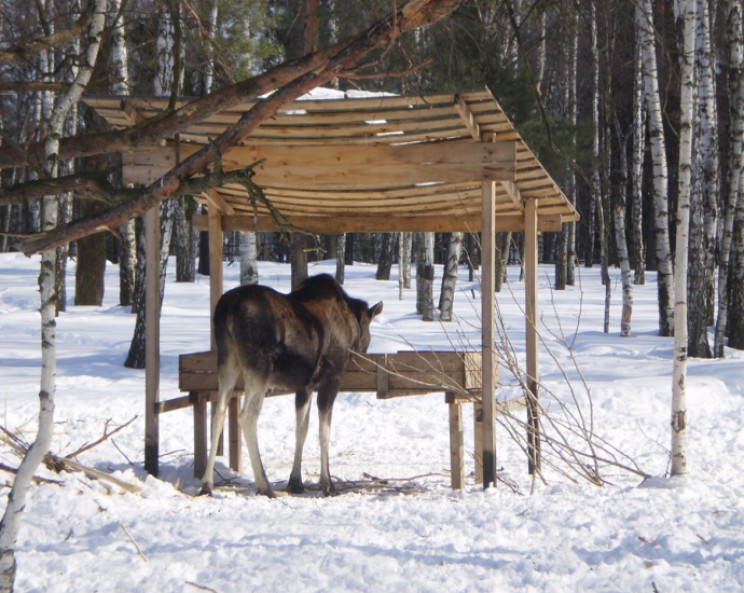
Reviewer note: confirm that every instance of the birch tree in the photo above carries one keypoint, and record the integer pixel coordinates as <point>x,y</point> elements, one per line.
<point>679,374</point>
<point>166,81</point>
<point>665,273</point>
<point>732,199</point>
<point>449,277</point>
<point>639,149</point>
<point>120,86</point>
<point>735,326</point>
<point>10,524</point>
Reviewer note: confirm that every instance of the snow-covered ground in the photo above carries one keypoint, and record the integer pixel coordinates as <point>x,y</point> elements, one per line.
<point>412,533</point>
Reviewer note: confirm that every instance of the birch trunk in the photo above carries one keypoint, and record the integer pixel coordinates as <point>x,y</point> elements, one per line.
<point>449,277</point>
<point>167,74</point>
<point>679,373</point>
<point>665,272</point>
<point>709,148</point>
<point>618,218</point>
<point>732,199</point>
<point>598,188</point>
<point>248,250</point>
<point>639,149</point>
<point>10,523</point>
<point>735,326</point>
<point>425,275</point>
<point>340,257</point>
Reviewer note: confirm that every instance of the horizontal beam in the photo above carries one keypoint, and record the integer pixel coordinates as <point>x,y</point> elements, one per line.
<point>343,166</point>
<point>378,224</point>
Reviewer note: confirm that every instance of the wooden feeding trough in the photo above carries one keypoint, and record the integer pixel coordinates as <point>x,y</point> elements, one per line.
<point>458,374</point>
<point>384,163</point>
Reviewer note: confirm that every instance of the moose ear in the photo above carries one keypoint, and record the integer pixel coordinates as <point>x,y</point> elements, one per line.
<point>375,310</point>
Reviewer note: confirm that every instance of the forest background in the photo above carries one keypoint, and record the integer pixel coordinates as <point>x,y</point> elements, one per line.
<point>635,107</point>
<point>593,86</point>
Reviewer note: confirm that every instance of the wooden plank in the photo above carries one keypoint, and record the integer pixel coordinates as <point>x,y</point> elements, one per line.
<point>457,457</point>
<point>152,339</point>
<point>531,316</point>
<point>468,117</point>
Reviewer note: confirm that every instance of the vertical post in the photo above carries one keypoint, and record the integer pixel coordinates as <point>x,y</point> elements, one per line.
<point>152,338</point>
<point>488,322</point>
<point>215,262</point>
<point>214,218</point>
<point>533,372</point>
<point>457,456</point>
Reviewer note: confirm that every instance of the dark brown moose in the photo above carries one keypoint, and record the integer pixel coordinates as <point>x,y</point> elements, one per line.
<point>299,342</point>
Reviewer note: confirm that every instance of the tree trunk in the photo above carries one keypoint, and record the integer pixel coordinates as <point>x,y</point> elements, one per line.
<point>297,258</point>
<point>248,249</point>
<point>385,260</point>
<point>598,178</point>
<point>91,265</point>
<point>404,259</point>
<point>732,199</point>
<point>639,144</point>
<point>184,237</point>
<point>449,277</point>
<point>665,272</point>
<point>679,375</point>
<point>10,523</point>
<point>136,355</point>
<point>340,258</point>
<point>425,275</point>
<point>619,210</point>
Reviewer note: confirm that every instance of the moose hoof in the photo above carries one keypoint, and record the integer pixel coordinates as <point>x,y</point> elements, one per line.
<point>328,489</point>
<point>295,487</point>
<point>267,492</point>
<point>206,490</point>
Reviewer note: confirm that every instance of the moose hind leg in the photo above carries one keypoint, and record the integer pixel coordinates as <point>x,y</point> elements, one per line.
<point>326,397</point>
<point>255,391</point>
<point>302,409</point>
<point>228,375</point>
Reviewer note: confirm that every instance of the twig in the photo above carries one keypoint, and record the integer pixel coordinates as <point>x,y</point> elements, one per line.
<point>131,539</point>
<point>201,587</point>
<point>106,435</point>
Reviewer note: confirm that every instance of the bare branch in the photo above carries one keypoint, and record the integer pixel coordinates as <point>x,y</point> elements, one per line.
<point>292,80</point>
<point>28,49</point>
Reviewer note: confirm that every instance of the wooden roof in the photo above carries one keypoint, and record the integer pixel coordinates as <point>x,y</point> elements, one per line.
<point>382,163</point>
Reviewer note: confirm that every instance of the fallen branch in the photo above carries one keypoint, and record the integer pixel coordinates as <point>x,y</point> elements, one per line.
<point>37,479</point>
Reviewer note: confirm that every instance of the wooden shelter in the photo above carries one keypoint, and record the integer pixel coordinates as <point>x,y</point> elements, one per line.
<point>376,163</point>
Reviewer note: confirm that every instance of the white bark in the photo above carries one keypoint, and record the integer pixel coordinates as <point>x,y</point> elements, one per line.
<point>248,251</point>
<point>639,147</point>
<point>735,39</point>
<point>449,277</point>
<point>10,524</point>
<point>665,273</point>
<point>679,374</point>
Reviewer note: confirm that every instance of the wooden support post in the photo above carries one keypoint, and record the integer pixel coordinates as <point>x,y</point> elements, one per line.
<point>531,314</point>
<point>488,322</point>
<point>215,262</point>
<point>457,456</point>
<point>152,339</point>
<point>478,441</point>
<point>200,435</point>
<point>233,410</point>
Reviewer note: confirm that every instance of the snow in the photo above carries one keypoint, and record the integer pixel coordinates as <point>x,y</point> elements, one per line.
<point>413,533</point>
